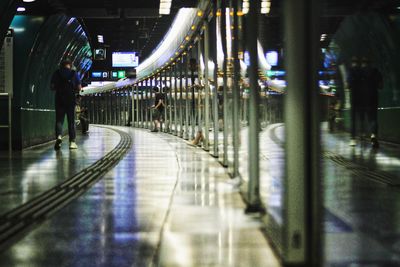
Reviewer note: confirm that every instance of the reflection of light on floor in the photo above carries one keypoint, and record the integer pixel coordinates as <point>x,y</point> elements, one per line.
<point>24,252</point>
<point>180,250</point>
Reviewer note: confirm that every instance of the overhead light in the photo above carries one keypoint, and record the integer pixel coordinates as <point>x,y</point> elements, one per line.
<point>100,38</point>
<point>265,6</point>
<point>245,6</point>
<point>165,7</point>
<point>21,9</point>
<point>29,1</point>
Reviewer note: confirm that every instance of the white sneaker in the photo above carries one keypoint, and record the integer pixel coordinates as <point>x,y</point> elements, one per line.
<point>72,145</point>
<point>353,142</point>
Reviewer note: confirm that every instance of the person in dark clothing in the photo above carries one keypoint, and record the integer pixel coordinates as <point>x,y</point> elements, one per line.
<point>372,82</point>
<point>82,113</point>
<point>158,109</point>
<point>355,84</point>
<point>66,84</point>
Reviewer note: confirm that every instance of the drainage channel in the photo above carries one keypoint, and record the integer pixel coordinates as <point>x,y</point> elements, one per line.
<point>15,223</point>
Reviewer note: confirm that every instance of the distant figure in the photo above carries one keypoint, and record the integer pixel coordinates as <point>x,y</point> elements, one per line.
<point>158,109</point>
<point>334,112</point>
<point>82,114</point>
<point>355,83</point>
<point>66,84</point>
<point>371,83</point>
<point>220,97</point>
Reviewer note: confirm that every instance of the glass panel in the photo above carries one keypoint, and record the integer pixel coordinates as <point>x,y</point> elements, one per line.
<point>270,91</point>
<point>360,107</point>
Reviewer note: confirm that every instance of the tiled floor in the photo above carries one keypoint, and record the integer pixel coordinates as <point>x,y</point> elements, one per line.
<point>164,204</point>
<point>32,171</point>
<point>170,204</point>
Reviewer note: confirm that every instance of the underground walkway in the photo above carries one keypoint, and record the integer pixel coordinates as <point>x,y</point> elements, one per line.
<point>164,204</point>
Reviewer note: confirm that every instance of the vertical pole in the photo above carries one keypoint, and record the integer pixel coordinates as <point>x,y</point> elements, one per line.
<point>137,105</point>
<point>96,109</point>
<point>170,99</point>
<point>215,96</point>
<point>193,99</point>
<point>151,102</point>
<point>10,123</point>
<point>122,113</point>
<point>104,108</point>
<point>199,90</point>
<point>163,79</point>
<point>303,244</point>
<point>117,112</point>
<point>103,101</point>
<point>206,57</point>
<point>107,109</point>
<point>254,201</point>
<point>146,107</point>
<point>236,90</point>
<point>186,65</point>
<point>225,81</point>
<point>180,62</point>
<point>132,111</point>
<point>175,98</point>
<point>141,108</point>
<point>123,100</point>
<point>165,92</point>
<point>112,111</point>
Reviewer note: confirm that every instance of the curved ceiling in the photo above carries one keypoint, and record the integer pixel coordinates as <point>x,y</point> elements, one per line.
<point>126,25</point>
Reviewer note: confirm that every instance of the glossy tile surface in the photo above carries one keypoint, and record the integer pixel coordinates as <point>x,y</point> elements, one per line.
<point>32,171</point>
<point>165,202</point>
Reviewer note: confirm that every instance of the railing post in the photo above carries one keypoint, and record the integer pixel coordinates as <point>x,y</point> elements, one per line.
<point>253,197</point>
<point>236,89</point>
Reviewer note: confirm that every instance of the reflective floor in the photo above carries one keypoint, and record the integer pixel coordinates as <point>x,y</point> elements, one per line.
<point>32,171</point>
<point>165,203</point>
<point>170,204</point>
<point>361,196</point>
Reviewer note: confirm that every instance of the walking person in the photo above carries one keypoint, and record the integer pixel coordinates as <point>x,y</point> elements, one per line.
<point>355,83</point>
<point>66,84</point>
<point>371,83</point>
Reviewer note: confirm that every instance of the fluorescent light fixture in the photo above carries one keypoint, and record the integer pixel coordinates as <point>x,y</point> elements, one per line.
<point>29,1</point>
<point>18,29</point>
<point>265,10</point>
<point>21,9</point>
<point>245,6</point>
<point>100,38</point>
<point>265,6</point>
<point>165,7</point>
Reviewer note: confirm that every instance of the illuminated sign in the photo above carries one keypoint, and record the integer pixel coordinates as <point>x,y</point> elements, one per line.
<point>272,58</point>
<point>121,74</point>
<point>125,59</point>
<point>96,74</point>
<point>271,73</point>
